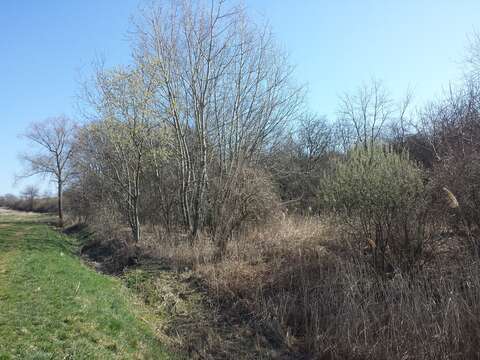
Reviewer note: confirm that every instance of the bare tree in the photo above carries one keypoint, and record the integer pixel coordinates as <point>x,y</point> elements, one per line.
<point>402,126</point>
<point>363,116</point>
<point>301,158</point>
<point>451,129</point>
<point>315,139</point>
<point>53,138</point>
<point>473,58</point>
<point>224,89</point>
<point>30,193</point>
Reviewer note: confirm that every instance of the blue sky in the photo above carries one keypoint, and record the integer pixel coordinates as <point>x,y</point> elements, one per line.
<point>46,46</point>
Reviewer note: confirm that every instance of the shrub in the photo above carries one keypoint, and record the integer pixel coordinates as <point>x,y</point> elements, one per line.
<point>245,199</point>
<point>452,129</point>
<point>380,195</point>
<point>459,177</point>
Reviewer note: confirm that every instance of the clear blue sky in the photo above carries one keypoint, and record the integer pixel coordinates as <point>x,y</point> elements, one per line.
<point>335,45</point>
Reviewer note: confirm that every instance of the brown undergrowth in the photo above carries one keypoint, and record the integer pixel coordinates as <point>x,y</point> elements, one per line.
<point>293,289</point>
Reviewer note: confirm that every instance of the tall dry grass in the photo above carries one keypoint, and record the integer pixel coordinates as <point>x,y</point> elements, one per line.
<point>310,294</point>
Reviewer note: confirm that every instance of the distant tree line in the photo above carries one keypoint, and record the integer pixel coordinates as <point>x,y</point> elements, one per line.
<point>29,200</point>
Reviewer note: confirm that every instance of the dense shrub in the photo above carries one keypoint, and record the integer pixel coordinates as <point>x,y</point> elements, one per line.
<point>243,200</point>
<point>380,195</point>
<point>452,129</point>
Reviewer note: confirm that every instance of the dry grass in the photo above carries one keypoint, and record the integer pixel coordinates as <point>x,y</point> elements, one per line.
<point>258,245</point>
<point>309,294</point>
<point>452,200</point>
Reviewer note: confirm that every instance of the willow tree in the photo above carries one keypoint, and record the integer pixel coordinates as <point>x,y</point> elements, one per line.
<point>223,87</point>
<point>114,146</point>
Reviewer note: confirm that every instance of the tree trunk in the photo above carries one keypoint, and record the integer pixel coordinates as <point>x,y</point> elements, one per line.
<point>60,203</point>
<point>136,232</point>
<point>136,222</point>
<point>199,203</point>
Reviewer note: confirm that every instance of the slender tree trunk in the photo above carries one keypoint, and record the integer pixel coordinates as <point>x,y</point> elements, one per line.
<point>60,203</point>
<point>137,229</point>
<point>136,222</point>
<point>199,206</point>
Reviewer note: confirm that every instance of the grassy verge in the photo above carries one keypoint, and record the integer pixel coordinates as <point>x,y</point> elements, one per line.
<point>54,307</point>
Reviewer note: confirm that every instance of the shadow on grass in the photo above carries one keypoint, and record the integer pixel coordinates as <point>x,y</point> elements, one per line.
<point>80,232</point>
